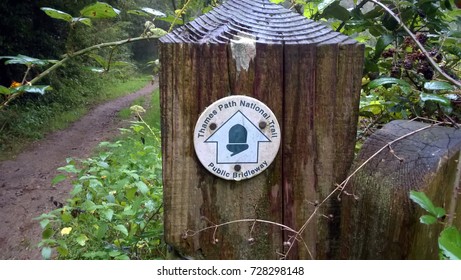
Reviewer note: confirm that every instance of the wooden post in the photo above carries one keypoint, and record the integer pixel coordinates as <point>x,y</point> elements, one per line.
<point>381,222</point>
<point>310,77</point>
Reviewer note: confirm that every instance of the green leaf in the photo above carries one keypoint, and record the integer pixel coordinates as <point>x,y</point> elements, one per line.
<point>46,253</point>
<point>153,12</point>
<point>26,60</point>
<point>122,229</point>
<point>89,205</point>
<point>336,11</point>
<point>387,80</point>
<point>138,13</point>
<point>158,32</point>
<point>277,1</point>
<point>99,59</point>
<point>99,10</point>
<point>47,233</point>
<point>436,85</point>
<point>381,45</point>
<point>440,212</point>
<point>310,9</point>
<point>81,239</point>
<point>375,109</point>
<point>324,4</point>
<point>63,251</point>
<point>70,168</point>
<point>44,223</point>
<point>85,21</point>
<point>428,219</point>
<point>122,257</point>
<point>422,200</point>
<point>450,243</point>
<point>171,19</point>
<point>142,187</point>
<point>58,179</point>
<point>4,90</point>
<point>41,89</point>
<point>66,217</point>
<point>57,14</point>
<point>435,98</point>
<point>108,214</point>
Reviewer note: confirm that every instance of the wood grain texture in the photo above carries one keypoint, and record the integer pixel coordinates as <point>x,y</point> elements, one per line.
<point>309,76</point>
<point>382,223</point>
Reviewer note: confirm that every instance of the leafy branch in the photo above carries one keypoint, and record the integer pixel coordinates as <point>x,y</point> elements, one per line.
<point>65,58</point>
<point>418,43</point>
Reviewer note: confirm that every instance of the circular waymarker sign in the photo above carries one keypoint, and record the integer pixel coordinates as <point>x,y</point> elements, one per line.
<point>237,137</point>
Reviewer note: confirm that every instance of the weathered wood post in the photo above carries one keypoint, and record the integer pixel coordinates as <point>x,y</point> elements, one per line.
<point>310,77</point>
<point>381,222</point>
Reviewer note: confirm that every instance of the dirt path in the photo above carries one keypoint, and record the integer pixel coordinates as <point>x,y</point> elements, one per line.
<point>25,182</point>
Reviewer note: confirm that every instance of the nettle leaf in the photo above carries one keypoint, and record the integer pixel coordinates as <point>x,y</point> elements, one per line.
<point>122,229</point>
<point>108,214</point>
<point>44,223</point>
<point>450,243</point>
<point>422,200</point>
<point>57,14</point>
<point>99,10</point>
<point>386,81</point>
<point>81,239</point>
<point>436,85</point>
<point>435,98</point>
<point>59,178</point>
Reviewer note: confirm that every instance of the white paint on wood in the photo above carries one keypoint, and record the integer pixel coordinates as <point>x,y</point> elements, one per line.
<point>243,48</point>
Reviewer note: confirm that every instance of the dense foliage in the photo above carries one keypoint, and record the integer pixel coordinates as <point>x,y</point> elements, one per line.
<point>115,210</point>
<point>412,69</point>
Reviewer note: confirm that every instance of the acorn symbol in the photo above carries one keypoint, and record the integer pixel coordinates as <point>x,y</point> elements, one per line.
<point>237,139</point>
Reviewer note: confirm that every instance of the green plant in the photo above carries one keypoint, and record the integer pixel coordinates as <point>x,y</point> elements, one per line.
<point>115,210</point>
<point>98,10</point>
<point>450,238</point>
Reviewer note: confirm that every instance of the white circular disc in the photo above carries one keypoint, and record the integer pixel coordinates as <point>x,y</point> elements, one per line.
<point>237,137</point>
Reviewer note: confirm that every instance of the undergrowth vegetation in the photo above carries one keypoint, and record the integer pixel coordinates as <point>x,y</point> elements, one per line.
<point>115,210</point>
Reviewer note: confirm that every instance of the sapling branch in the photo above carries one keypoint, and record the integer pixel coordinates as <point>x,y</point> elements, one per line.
<point>64,60</point>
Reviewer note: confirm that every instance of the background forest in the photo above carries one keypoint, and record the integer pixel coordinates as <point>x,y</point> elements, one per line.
<point>412,70</point>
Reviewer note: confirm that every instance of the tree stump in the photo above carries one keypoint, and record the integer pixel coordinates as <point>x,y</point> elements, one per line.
<point>310,77</point>
<point>382,222</point>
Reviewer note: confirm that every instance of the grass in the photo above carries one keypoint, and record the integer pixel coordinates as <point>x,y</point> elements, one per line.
<point>33,117</point>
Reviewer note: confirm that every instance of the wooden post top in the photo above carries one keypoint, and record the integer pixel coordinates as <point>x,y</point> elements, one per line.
<point>259,20</point>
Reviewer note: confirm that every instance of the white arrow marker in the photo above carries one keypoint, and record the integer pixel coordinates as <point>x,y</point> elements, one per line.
<point>237,140</point>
